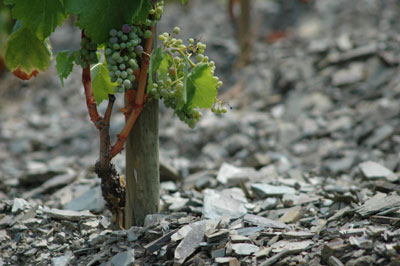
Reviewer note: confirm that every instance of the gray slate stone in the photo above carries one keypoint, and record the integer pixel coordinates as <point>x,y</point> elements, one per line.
<point>373,170</point>
<point>125,258</point>
<point>265,190</point>
<point>91,200</point>
<point>216,204</point>
<point>62,260</point>
<point>245,249</point>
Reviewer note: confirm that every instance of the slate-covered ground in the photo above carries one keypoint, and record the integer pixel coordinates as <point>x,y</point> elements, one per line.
<point>303,170</point>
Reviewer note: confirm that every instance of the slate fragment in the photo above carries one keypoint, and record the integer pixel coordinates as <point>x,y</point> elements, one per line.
<point>372,170</point>
<point>263,221</point>
<point>68,214</point>
<point>216,204</point>
<point>265,190</point>
<point>125,258</point>
<point>190,243</point>
<point>245,249</point>
<point>379,203</point>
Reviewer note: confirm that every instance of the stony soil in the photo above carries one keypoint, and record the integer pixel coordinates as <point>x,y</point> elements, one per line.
<point>303,170</point>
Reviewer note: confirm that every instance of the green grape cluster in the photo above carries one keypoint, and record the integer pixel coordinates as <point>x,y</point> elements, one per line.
<point>88,53</point>
<point>170,88</point>
<point>124,49</point>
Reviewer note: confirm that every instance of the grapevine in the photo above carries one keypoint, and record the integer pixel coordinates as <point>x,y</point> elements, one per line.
<point>117,58</point>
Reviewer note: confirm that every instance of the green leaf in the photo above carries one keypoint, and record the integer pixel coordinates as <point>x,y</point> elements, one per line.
<point>98,17</point>
<point>155,61</point>
<point>9,2</point>
<point>40,16</point>
<point>201,87</point>
<point>184,1</point>
<point>26,54</point>
<point>165,63</point>
<point>65,64</point>
<point>101,82</point>
<point>143,14</point>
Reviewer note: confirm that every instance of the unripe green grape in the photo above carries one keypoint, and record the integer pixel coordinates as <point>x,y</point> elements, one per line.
<point>127,84</point>
<point>161,37</point>
<point>120,60</point>
<point>117,89</point>
<point>211,63</point>
<point>160,83</point>
<point>113,40</point>
<point>107,51</point>
<point>124,74</point>
<point>147,34</point>
<point>132,35</point>
<point>114,68</point>
<point>111,73</point>
<point>120,80</point>
<point>205,59</point>
<point>148,22</point>
<point>122,66</point>
<point>119,33</point>
<point>176,30</point>
<point>115,46</point>
<point>179,86</point>
<point>115,56</point>
<point>224,110</point>
<point>133,55</point>
<point>125,58</point>
<point>122,45</point>
<point>131,77</point>
<point>219,84</point>
<point>152,11</point>
<point>200,51</point>
<point>159,10</point>
<point>117,73</point>
<point>113,32</point>
<point>164,93</point>
<point>153,91</point>
<point>114,79</point>
<point>178,42</point>
<point>139,32</point>
<point>191,41</point>
<point>124,38</point>
<point>199,57</point>
<point>216,78</point>
<point>128,45</point>
<point>139,50</point>
<point>133,64</point>
<point>154,85</point>
<point>129,70</point>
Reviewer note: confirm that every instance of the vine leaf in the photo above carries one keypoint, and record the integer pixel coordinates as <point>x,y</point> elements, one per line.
<point>165,63</point>
<point>155,61</point>
<point>40,16</point>
<point>26,54</point>
<point>101,82</point>
<point>184,1</point>
<point>65,64</point>
<point>143,14</point>
<point>201,87</point>
<point>98,17</point>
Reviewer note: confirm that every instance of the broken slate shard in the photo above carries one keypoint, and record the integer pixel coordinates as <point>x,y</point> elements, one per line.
<point>68,214</point>
<point>190,243</point>
<point>293,247</point>
<point>91,200</point>
<point>379,203</point>
<point>373,170</point>
<point>245,249</point>
<point>263,221</point>
<point>265,190</point>
<point>217,204</point>
<point>125,258</point>
<point>231,175</point>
